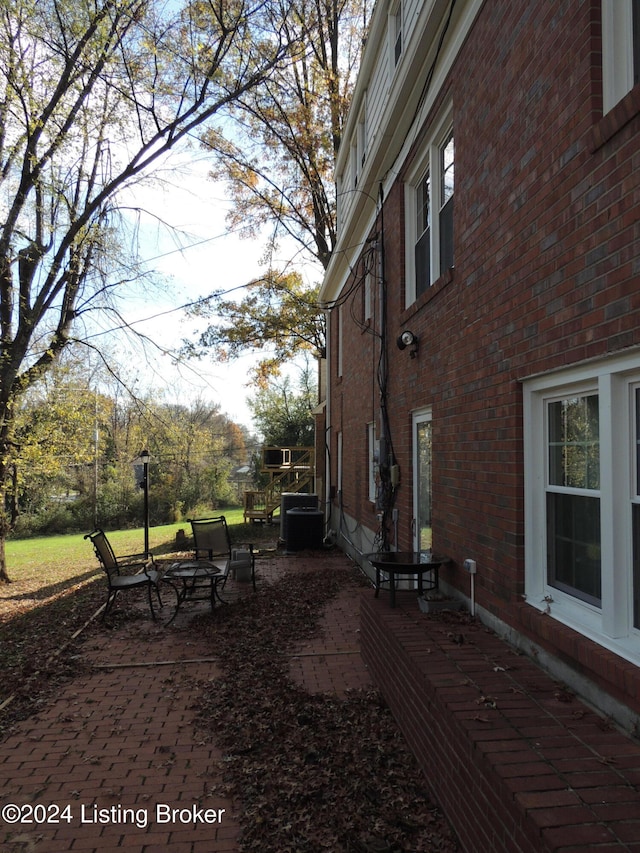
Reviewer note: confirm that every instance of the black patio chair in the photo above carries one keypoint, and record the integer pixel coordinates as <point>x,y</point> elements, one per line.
<point>126,572</point>
<point>212,544</point>
<point>212,548</point>
<point>205,576</point>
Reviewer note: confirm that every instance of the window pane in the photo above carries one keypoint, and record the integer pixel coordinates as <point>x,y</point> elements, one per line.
<point>446,237</point>
<point>573,542</point>
<point>636,42</point>
<point>423,263</point>
<point>397,25</point>
<point>424,205</point>
<point>423,231</point>
<point>635,515</point>
<point>423,473</point>
<point>574,443</point>
<point>374,460</point>
<point>446,205</point>
<point>635,519</point>
<point>637,441</point>
<point>447,171</point>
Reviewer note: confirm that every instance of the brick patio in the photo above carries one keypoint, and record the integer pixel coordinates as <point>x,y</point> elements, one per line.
<point>122,737</point>
<point>534,768</point>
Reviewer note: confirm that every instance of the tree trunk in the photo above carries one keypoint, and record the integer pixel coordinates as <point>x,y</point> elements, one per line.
<point>4,577</point>
<point>6,482</point>
<point>4,531</point>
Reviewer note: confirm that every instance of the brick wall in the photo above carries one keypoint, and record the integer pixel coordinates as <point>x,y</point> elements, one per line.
<point>517,763</point>
<point>547,262</point>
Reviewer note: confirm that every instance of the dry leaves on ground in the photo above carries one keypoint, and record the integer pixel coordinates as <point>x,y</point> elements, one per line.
<point>313,772</point>
<point>37,654</point>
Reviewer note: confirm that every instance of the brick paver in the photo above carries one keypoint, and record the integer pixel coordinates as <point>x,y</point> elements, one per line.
<point>117,761</point>
<point>331,662</point>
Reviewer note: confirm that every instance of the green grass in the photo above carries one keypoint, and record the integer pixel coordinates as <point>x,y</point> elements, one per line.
<point>52,560</point>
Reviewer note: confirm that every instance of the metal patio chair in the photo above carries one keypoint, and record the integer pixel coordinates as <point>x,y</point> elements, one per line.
<point>212,543</point>
<point>126,572</point>
<point>202,578</point>
<point>205,576</point>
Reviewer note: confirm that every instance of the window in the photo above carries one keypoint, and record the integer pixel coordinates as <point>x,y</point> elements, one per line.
<point>429,208</point>
<point>396,33</point>
<point>446,153</point>
<point>358,150</point>
<point>582,499</point>
<point>355,171</point>
<point>573,498</point>
<point>635,509</point>
<point>422,480</point>
<point>373,449</point>
<point>339,201</point>
<point>361,134</point>
<point>423,230</point>
<point>620,49</point>
<point>635,31</point>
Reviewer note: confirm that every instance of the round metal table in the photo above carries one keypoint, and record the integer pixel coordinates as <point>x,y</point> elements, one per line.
<point>417,563</point>
<point>190,576</point>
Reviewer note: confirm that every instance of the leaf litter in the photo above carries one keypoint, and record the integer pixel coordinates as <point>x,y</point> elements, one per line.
<point>312,772</point>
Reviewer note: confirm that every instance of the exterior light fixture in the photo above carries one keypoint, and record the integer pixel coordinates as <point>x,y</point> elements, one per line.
<point>408,339</point>
<point>143,458</point>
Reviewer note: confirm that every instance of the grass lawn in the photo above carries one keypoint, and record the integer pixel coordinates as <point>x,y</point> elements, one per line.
<point>58,562</point>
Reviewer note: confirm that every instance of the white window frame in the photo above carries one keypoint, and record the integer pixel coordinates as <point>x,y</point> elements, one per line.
<point>418,417</point>
<point>617,51</point>
<point>634,594</point>
<point>358,151</point>
<point>373,451</point>
<point>614,380</point>
<point>429,158</point>
<point>570,490</point>
<point>396,33</point>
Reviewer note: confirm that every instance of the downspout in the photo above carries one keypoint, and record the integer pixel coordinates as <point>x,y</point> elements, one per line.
<point>328,474</point>
<point>385,447</point>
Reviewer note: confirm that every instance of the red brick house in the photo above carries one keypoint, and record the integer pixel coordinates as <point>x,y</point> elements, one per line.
<point>489,205</point>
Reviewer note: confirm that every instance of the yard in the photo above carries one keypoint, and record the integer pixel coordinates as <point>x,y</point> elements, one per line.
<point>311,771</point>
<point>56,587</point>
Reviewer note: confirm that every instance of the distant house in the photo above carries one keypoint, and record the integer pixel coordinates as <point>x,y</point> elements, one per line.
<point>484,298</point>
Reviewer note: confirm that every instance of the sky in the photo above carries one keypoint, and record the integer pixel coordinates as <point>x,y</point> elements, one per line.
<point>184,241</point>
<point>198,257</point>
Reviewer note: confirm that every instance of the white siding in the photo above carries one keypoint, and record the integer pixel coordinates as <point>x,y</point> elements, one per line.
<point>396,105</point>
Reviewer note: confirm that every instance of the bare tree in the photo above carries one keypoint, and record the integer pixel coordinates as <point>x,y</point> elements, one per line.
<point>93,93</point>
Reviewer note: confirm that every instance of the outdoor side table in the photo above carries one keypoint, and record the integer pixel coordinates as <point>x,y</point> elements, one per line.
<point>195,580</point>
<point>417,563</point>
